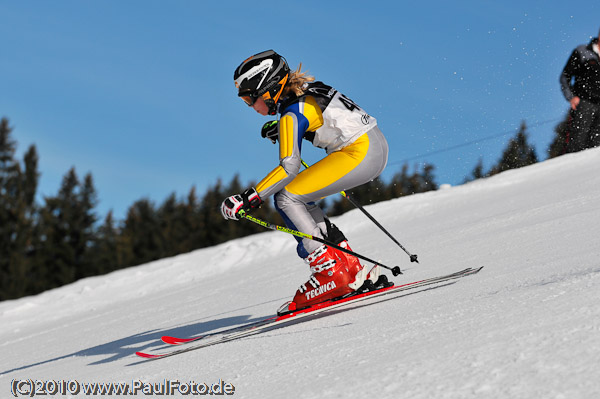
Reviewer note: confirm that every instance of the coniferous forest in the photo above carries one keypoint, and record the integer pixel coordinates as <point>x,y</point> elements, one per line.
<point>62,239</point>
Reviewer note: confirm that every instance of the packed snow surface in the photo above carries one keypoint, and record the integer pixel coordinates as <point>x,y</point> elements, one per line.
<point>526,326</point>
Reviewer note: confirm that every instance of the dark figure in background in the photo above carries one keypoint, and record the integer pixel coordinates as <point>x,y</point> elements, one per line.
<point>580,84</point>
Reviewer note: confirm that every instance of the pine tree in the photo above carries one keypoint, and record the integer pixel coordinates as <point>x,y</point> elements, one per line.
<point>477,172</point>
<point>426,179</point>
<point>141,234</point>
<point>17,212</point>
<point>218,230</point>
<point>106,253</point>
<point>85,218</point>
<point>169,226</point>
<point>26,213</point>
<point>194,226</point>
<point>558,146</point>
<point>403,183</point>
<point>181,225</point>
<point>9,185</point>
<point>518,153</point>
<point>66,233</point>
<point>183,229</point>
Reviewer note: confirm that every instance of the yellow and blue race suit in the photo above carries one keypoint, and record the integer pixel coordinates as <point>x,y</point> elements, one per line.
<point>356,154</point>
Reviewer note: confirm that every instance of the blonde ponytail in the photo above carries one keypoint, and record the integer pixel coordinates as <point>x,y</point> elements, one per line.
<point>296,82</point>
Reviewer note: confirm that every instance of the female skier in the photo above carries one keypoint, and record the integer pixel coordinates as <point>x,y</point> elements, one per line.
<point>356,154</point>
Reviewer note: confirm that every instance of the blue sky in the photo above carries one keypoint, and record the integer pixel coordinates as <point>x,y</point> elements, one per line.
<point>140,93</point>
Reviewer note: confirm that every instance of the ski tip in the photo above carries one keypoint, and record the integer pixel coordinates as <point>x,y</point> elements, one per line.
<point>147,355</point>
<point>170,340</point>
<point>472,271</point>
<point>178,341</point>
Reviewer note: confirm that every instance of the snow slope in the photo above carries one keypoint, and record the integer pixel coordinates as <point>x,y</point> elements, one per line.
<point>527,326</point>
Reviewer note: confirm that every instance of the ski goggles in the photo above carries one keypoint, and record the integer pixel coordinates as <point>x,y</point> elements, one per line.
<point>249,100</point>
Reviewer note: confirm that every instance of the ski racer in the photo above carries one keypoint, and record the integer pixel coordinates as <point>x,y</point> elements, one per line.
<point>356,150</point>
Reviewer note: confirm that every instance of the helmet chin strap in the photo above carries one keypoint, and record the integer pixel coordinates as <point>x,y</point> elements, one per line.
<point>273,108</point>
<point>273,100</point>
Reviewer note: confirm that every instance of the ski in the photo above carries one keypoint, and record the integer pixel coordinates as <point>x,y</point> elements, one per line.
<point>273,321</point>
<point>274,318</point>
<point>179,341</point>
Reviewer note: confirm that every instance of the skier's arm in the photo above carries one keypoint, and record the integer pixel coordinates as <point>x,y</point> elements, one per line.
<point>289,156</point>
<point>301,117</point>
<point>567,74</point>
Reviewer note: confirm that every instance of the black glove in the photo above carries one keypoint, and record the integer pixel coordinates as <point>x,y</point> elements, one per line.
<point>270,131</point>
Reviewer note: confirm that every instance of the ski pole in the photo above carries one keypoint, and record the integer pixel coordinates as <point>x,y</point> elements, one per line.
<point>413,257</point>
<point>395,270</point>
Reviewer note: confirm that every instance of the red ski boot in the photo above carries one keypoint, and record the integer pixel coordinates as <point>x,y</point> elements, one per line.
<point>330,278</point>
<point>358,271</point>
